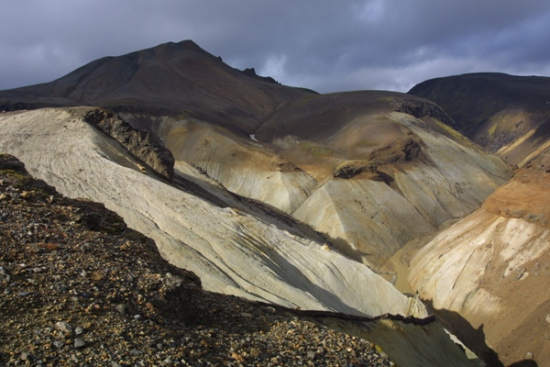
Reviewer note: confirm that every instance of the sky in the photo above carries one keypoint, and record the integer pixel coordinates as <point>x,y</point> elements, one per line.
<point>324,45</point>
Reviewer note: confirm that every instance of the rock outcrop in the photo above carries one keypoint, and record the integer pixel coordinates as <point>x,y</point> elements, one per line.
<point>421,109</point>
<point>144,145</point>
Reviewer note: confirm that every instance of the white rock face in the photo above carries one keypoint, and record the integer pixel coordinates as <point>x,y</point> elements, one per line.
<point>451,268</point>
<point>369,215</point>
<point>366,220</point>
<point>454,181</point>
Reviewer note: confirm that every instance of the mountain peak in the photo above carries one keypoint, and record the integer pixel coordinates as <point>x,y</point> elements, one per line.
<point>177,47</point>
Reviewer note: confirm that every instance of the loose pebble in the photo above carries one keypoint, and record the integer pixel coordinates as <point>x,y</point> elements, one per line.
<point>79,343</point>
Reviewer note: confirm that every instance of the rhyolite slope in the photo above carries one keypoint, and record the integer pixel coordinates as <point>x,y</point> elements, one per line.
<point>97,275</point>
<point>232,252</point>
<point>352,165</point>
<point>492,270</point>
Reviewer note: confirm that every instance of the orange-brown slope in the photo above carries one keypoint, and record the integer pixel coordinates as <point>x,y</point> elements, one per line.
<point>526,196</point>
<point>346,133</point>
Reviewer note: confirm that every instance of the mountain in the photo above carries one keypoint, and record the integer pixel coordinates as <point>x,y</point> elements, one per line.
<point>507,114</point>
<point>261,257</point>
<point>178,79</point>
<point>265,192</point>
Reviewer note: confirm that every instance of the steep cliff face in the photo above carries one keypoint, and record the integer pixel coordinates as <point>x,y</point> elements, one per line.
<point>492,269</point>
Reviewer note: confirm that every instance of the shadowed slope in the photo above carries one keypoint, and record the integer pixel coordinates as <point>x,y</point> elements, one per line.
<point>507,114</point>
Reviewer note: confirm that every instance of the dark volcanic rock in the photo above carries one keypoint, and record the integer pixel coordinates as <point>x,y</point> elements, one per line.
<point>496,111</point>
<point>421,109</point>
<point>353,169</point>
<point>251,72</point>
<point>471,99</point>
<point>145,145</point>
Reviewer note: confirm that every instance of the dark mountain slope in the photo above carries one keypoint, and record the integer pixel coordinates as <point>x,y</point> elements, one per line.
<point>506,114</point>
<point>172,78</point>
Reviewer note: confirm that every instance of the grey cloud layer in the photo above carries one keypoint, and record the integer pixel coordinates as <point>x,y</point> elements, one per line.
<point>323,45</point>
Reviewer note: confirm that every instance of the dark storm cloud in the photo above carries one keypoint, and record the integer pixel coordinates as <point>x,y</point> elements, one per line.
<point>323,45</point>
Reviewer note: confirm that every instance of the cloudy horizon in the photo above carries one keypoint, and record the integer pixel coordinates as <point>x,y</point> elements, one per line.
<point>322,45</point>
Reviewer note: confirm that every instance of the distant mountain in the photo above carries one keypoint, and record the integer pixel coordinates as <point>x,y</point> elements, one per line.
<point>509,115</point>
<point>178,79</point>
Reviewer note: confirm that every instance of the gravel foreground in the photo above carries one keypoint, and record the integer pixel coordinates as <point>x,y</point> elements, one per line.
<point>79,288</point>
